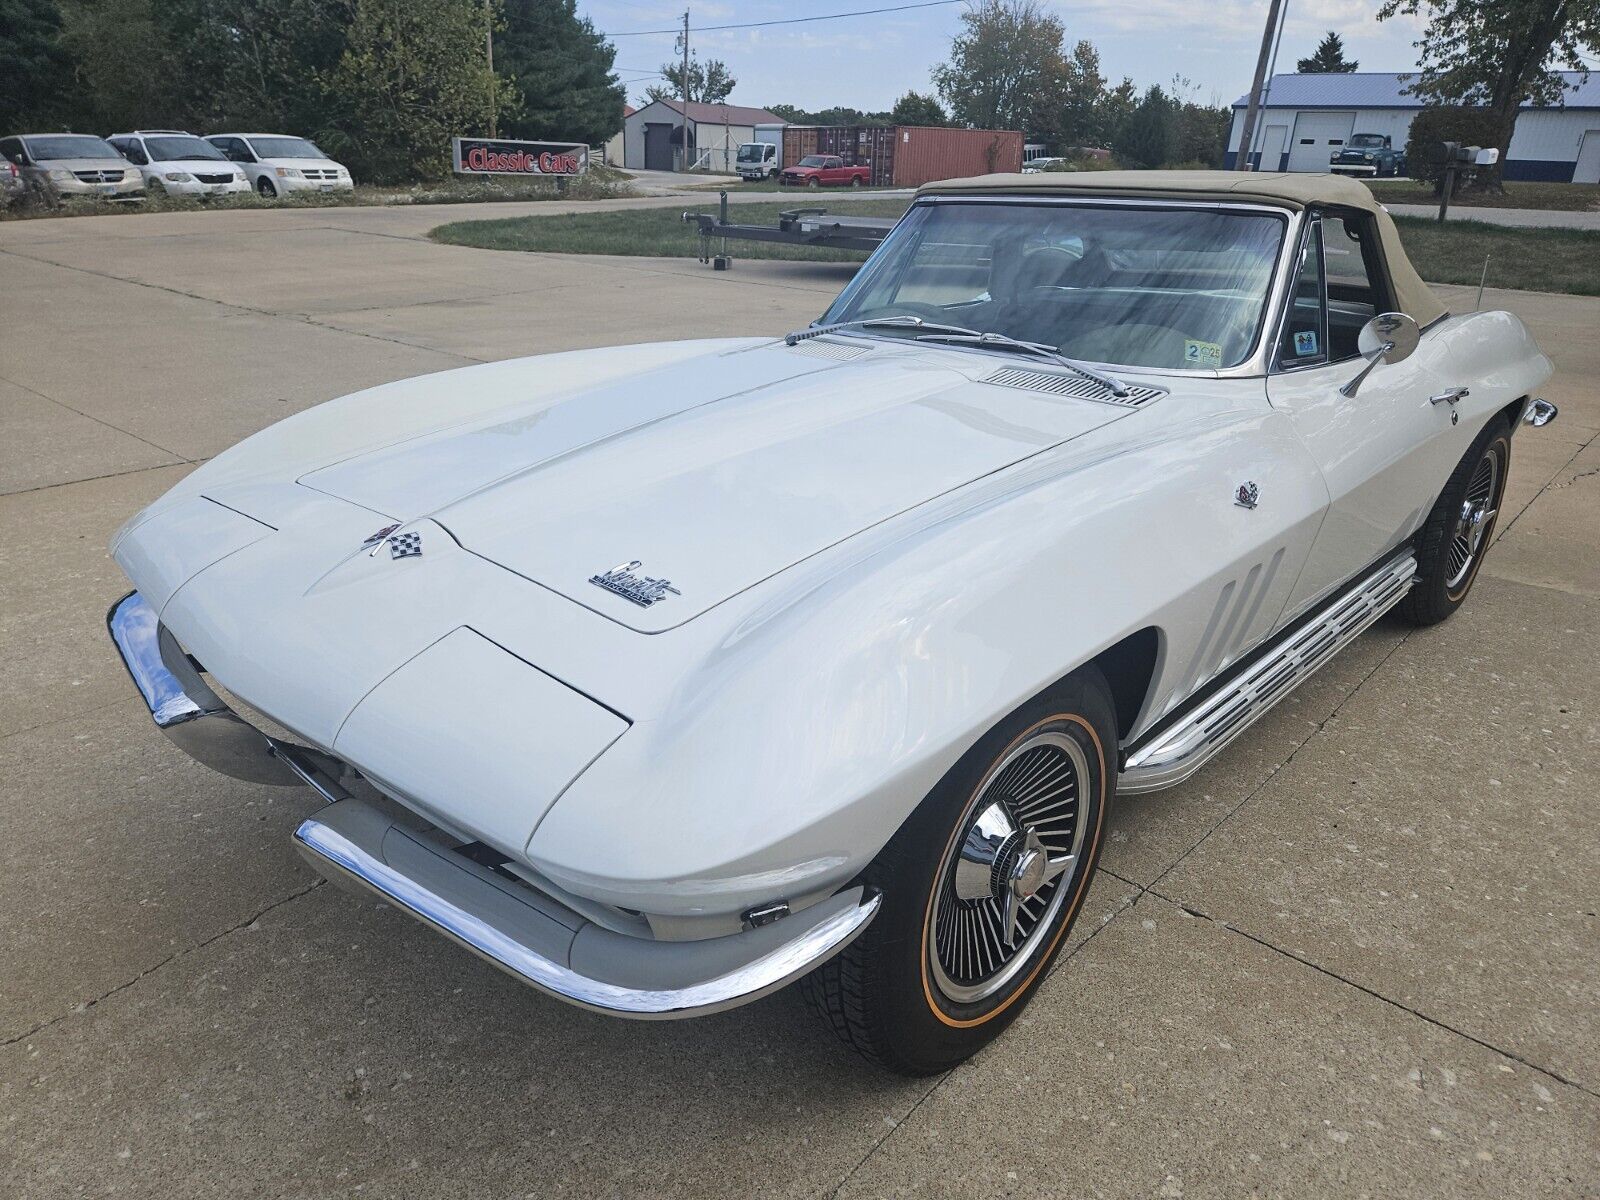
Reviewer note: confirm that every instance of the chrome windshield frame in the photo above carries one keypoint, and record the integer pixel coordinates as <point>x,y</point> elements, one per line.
<point>1254,365</point>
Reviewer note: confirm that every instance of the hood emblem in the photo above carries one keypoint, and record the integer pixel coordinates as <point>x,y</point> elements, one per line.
<point>402,545</point>
<point>1247,495</point>
<point>643,590</point>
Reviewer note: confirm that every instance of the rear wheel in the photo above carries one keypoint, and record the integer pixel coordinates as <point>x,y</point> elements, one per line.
<point>980,887</point>
<point>1452,544</point>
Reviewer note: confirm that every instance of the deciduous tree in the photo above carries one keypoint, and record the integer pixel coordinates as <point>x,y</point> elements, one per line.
<point>709,83</point>
<point>1498,54</point>
<point>33,64</point>
<point>1006,69</point>
<point>916,109</point>
<point>1148,137</point>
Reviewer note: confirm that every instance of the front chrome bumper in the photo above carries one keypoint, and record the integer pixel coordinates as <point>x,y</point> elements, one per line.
<point>416,868</point>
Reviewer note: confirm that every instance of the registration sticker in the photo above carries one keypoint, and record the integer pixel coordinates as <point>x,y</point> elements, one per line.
<point>1305,342</point>
<point>1201,354</point>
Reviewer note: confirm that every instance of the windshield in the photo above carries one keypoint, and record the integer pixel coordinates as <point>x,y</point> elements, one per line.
<point>751,152</point>
<point>1131,286</point>
<point>814,160</point>
<point>284,147</point>
<point>71,145</point>
<point>1368,141</point>
<point>169,149</point>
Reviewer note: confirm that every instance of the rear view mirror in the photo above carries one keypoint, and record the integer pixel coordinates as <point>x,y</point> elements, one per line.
<point>1387,338</point>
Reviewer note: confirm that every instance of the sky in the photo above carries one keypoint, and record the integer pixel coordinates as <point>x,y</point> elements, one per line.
<point>868,62</point>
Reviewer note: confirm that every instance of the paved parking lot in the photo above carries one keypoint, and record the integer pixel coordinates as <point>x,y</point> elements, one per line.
<point>1356,956</point>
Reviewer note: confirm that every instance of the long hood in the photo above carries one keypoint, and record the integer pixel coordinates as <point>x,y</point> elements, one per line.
<point>711,473</point>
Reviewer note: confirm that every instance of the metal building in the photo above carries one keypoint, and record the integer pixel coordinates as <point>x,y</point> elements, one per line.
<point>653,137</point>
<point>1304,118</point>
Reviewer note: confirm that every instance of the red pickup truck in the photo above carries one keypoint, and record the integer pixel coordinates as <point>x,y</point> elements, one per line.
<point>824,170</point>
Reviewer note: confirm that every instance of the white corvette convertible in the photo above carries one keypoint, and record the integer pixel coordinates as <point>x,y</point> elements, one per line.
<point>663,676</point>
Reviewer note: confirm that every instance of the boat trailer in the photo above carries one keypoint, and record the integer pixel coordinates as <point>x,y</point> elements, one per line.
<point>796,227</point>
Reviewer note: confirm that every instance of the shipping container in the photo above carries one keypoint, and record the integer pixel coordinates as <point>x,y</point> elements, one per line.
<point>908,155</point>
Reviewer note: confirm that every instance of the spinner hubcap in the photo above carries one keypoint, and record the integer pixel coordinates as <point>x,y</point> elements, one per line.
<point>1006,876</point>
<point>1477,517</point>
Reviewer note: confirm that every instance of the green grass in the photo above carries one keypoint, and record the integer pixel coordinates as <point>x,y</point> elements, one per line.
<point>1540,260</point>
<point>656,232</point>
<point>1555,197</point>
<point>1534,260</point>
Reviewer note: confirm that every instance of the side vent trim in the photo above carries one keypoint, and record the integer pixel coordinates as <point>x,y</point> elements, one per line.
<point>818,348</point>
<point>1075,386</point>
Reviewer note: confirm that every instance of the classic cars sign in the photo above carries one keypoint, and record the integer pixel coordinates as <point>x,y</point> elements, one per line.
<point>497,156</point>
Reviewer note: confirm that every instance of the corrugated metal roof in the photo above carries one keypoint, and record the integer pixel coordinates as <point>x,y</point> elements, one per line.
<point>720,114</point>
<point>1385,89</point>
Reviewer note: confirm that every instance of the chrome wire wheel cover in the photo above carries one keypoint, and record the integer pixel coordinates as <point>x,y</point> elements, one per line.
<point>1009,869</point>
<point>1478,509</point>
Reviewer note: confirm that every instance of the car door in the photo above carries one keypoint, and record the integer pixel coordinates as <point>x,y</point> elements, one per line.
<point>1384,452</point>
<point>833,171</point>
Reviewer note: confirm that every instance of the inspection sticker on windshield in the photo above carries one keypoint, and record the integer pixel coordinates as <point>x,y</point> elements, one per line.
<point>1201,354</point>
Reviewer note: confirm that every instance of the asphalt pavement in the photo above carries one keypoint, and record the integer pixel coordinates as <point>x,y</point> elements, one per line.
<point>1356,955</point>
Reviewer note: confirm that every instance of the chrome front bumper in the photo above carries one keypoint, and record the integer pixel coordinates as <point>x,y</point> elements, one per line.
<point>414,867</point>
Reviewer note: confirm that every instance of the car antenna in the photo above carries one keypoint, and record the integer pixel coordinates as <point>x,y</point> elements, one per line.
<point>1482,279</point>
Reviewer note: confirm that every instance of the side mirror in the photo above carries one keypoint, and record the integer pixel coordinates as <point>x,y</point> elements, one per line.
<point>1387,338</point>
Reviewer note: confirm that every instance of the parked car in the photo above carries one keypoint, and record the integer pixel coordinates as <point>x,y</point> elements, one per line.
<point>824,170</point>
<point>663,675</point>
<point>1368,154</point>
<point>73,166</point>
<point>180,164</point>
<point>13,188</point>
<point>1043,162</point>
<point>277,164</point>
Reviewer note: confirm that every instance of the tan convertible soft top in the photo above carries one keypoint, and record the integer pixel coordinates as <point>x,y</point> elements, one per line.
<point>1281,190</point>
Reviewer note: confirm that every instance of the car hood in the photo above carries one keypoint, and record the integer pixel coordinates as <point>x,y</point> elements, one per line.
<point>713,472</point>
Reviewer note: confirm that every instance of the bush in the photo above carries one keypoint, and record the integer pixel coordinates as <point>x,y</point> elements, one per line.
<point>1445,123</point>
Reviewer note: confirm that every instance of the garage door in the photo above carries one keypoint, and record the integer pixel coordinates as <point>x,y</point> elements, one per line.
<point>1316,136</point>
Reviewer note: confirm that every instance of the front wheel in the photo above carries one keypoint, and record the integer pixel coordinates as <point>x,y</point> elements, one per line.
<point>980,887</point>
<point>855,181</point>
<point>266,189</point>
<point>813,182</point>
<point>1452,544</point>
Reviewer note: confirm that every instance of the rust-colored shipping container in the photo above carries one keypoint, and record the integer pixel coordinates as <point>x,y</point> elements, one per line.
<point>908,155</point>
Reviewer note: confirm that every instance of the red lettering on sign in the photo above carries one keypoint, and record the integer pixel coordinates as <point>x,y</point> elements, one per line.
<point>481,158</point>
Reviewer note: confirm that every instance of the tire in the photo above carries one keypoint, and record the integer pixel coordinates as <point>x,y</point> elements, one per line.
<point>931,981</point>
<point>813,182</point>
<point>1452,544</point>
<point>855,182</point>
<point>266,189</point>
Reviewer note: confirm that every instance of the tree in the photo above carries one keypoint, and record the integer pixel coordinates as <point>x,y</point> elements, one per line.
<point>33,64</point>
<point>1328,58</point>
<point>1148,138</point>
<point>1498,54</point>
<point>709,83</point>
<point>1444,123</point>
<point>1200,131</point>
<point>1083,98</point>
<point>828,116</point>
<point>559,69</point>
<point>916,109</point>
<point>1114,109</point>
<point>1006,69</point>
<point>412,76</point>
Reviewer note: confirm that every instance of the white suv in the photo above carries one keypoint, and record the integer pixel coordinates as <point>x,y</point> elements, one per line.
<point>179,163</point>
<point>277,163</point>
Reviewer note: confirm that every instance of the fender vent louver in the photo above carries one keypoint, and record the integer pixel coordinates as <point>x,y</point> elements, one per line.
<point>818,348</point>
<point>1076,386</point>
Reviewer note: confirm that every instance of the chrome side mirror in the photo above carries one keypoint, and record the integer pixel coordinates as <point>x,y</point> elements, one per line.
<point>1387,338</point>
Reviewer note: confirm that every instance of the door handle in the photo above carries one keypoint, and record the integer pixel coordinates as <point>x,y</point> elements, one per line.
<point>1450,395</point>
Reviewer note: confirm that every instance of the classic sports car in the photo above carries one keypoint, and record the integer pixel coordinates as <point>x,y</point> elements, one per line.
<point>663,676</point>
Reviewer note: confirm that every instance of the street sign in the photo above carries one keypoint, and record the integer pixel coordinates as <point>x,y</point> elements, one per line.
<point>498,156</point>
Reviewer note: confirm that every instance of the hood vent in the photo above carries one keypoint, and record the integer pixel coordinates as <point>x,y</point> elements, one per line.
<point>1077,386</point>
<point>818,348</point>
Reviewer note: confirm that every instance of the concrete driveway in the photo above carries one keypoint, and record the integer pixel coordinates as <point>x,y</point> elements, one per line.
<point>1356,956</point>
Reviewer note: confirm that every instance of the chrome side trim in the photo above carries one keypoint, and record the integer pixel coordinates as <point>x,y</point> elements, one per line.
<point>332,853</point>
<point>1175,753</point>
<point>192,716</point>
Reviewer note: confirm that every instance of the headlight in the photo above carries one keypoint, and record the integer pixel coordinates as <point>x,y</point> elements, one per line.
<point>59,176</point>
<point>238,177</point>
<point>178,177</point>
<point>287,173</point>
<point>1369,157</point>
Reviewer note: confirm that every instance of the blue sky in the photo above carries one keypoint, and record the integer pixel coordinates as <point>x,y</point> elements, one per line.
<point>868,62</point>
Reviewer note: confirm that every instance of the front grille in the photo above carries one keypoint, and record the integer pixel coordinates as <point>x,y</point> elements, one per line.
<point>319,174</point>
<point>215,178</point>
<point>99,176</point>
<point>1079,387</point>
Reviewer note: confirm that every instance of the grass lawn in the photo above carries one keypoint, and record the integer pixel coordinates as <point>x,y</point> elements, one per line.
<point>1565,197</point>
<point>1535,260</point>
<point>657,232</point>
<point>1540,260</point>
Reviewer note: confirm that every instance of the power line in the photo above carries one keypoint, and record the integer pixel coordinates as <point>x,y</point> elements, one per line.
<point>864,12</point>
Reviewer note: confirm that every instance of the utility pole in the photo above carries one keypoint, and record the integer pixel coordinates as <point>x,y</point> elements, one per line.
<point>684,161</point>
<point>488,54</point>
<point>1241,161</point>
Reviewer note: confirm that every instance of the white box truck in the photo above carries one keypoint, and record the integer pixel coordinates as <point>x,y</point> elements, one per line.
<point>762,158</point>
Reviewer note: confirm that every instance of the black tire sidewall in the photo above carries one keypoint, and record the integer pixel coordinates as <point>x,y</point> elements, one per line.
<point>1431,599</point>
<point>923,1033</point>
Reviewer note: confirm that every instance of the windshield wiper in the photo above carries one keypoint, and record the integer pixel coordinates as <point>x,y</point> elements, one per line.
<point>900,321</point>
<point>1000,341</point>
